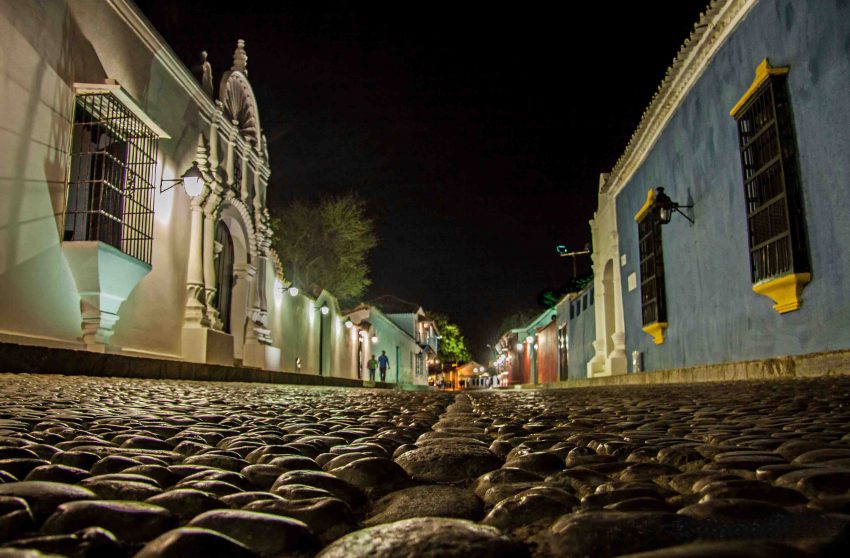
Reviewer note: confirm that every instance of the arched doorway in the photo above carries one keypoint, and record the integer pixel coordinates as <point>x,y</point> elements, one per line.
<point>223,274</point>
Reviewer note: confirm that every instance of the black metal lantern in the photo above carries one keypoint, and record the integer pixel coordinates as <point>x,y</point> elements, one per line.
<point>666,207</point>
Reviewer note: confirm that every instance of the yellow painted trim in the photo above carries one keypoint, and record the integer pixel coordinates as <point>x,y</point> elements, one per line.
<point>647,205</point>
<point>785,291</point>
<point>657,331</point>
<point>763,72</point>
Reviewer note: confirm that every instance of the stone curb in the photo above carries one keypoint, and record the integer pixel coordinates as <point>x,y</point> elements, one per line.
<point>833,363</point>
<point>44,360</point>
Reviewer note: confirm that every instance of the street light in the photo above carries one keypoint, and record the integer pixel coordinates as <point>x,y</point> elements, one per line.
<point>565,253</point>
<point>323,312</point>
<point>666,207</point>
<point>192,180</point>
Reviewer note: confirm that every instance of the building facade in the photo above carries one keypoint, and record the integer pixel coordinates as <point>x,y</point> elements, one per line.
<point>133,215</point>
<point>718,233</point>
<point>378,332</point>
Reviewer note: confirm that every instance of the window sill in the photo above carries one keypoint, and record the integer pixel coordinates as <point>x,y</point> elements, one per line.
<point>785,291</point>
<point>656,330</point>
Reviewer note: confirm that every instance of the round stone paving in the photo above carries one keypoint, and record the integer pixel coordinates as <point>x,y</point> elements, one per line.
<point>122,467</point>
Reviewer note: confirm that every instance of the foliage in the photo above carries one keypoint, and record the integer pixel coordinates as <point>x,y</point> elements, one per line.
<point>452,342</point>
<point>548,298</point>
<point>324,244</point>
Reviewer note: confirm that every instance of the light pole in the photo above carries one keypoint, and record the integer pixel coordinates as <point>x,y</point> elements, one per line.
<point>564,252</point>
<point>323,311</point>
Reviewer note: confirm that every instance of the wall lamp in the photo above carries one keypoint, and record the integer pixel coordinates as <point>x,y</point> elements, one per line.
<point>325,310</point>
<point>348,323</point>
<point>666,207</point>
<point>192,180</point>
<point>293,291</point>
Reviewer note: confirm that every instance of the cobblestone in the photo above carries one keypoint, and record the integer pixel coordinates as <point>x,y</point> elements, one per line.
<point>153,469</point>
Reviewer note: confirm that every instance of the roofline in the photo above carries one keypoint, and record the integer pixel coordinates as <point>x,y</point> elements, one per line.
<point>371,309</point>
<point>165,55</point>
<point>709,34</point>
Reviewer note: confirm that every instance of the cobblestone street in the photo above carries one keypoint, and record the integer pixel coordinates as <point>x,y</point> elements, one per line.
<point>118,467</point>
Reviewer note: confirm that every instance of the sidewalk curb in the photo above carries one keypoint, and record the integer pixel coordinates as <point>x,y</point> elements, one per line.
<point>811,365</point>
<point>33,359</point>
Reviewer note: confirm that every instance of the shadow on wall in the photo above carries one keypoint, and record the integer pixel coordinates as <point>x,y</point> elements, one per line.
<point>75,60</point>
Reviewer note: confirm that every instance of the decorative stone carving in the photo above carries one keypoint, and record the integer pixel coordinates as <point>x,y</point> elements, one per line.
<point>240,58</point>
<point>238,99</point>
<point>203,71</point>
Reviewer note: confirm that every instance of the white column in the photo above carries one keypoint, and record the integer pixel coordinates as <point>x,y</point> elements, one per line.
<point>212,315</point>
<point>194,314</point>
<point>243,186</point>
<point>229,163</point>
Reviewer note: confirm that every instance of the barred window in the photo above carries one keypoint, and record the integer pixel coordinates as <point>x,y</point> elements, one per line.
<point>771,183</point>
<point>652,296</point>
<point>111,180</point>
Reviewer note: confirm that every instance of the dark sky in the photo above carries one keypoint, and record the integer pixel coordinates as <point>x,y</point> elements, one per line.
<point>476,134</point>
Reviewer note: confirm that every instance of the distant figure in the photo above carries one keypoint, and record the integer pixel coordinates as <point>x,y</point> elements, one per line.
<point>372,365</point>
<point>383,364</point>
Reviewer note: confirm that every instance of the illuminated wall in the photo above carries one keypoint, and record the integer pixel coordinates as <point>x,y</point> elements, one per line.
<point>46,48</point>
<point>547,354</point>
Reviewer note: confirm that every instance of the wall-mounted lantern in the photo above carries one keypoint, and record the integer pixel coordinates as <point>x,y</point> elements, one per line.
<point>293,291</point>
<point>325,310</point>
<point>666,207</point>
<point>349,323</point>
<point>192,180</point>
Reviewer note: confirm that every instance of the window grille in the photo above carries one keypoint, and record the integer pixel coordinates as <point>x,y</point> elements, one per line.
<point>652,296</point>
<point>111,181</point>
<point>771,185</point>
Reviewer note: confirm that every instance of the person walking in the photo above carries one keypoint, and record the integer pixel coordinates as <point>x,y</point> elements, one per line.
<point>372,365</point>
<point>383,364</point>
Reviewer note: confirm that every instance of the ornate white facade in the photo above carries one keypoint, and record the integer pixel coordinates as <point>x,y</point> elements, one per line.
<point>152,271</point>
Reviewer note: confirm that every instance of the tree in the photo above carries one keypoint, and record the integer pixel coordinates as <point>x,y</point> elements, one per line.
<point>549,298</point>
<point>324,244</point>
<point>452,342</point>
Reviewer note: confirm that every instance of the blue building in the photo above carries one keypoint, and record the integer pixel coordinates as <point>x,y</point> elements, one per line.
<point>718,233</point>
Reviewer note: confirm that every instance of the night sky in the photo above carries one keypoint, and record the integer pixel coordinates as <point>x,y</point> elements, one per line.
<point>476,134</point>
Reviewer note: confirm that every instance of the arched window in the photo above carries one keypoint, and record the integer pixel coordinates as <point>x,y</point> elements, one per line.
<point>223,274</point>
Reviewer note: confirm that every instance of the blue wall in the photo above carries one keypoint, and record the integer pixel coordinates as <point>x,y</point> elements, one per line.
<point>713,314</point>
<point>582,332</point>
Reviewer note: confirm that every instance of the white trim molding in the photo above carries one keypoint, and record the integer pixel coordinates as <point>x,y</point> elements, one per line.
<point>710,32</point>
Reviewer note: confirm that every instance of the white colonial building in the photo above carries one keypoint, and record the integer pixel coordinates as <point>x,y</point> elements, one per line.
<point>133,215</point>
